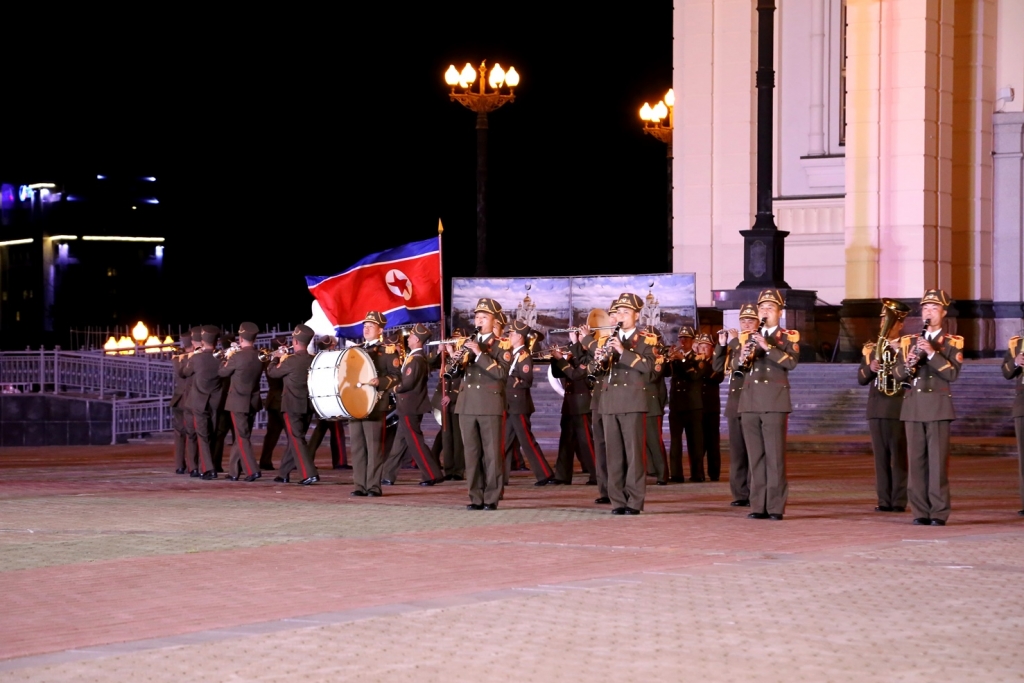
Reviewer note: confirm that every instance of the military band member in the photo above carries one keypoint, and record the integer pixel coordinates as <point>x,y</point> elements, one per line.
<point>333,429</point>
<point>448,443</point>
<point>411,394</point>
<point>726,355</point>
<point>765,407</point>
<point>686,408</point>
<point>590,347</point>
<point>221,418</point>
<point>481,407</point>
<point>368,435</point>
<point>888,436</point>
<point>657,399</point>
<point>275,421</point>
<point>930,363</point>
<point>711,394</point>
<point>244,368</point>
<point>519,402</point>
<point>624,406</point>
<point>1013,369</point>
<point>191,438</point>
<point>205,396</point>
<point>178,401</point>
<point>293,369</point>
<point>576,436</point>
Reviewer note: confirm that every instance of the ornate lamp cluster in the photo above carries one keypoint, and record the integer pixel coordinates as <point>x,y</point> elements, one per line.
<point>658,119</point>
<point>482,101</point>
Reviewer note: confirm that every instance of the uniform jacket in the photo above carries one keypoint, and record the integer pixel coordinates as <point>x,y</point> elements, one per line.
<point>724,360</point>
<point>880,406</point>
<point>687,391</point>
<point>1011,371</point>
<point>206,392</point>
<point>483,380</point>
<point>625,390</point>
<point>657,393</point>
<point>179,397</point>
<point>928,399</point>
<point>275,387</point>
<point>517,385</point>
<point>411,393</point>
<point>449,387</point>
<point>293,371</point>
<point>709,390</point>
<point>389,368</point>
<point>573,375</point>
<point>766,386</point>
<point>244,368</point>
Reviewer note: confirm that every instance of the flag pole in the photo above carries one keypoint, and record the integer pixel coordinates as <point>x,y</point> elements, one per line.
<point>440,270</point>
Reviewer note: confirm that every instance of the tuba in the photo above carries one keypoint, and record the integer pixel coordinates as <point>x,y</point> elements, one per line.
<point>893,311</point>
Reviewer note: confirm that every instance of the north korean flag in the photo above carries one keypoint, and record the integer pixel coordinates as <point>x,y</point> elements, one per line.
<point>403,283</point>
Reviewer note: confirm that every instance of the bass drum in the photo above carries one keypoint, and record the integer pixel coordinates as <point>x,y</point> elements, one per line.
<point>338,383</point>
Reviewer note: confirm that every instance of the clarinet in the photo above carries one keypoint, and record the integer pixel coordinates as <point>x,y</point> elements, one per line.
<point>921,355</point>
<point>748,350</point>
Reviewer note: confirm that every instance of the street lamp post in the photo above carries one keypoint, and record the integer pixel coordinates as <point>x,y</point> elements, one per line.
<point>482,101</point>
<point>658,122</point>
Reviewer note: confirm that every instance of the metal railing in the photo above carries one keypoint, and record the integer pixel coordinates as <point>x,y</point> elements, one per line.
<point>87,373</point>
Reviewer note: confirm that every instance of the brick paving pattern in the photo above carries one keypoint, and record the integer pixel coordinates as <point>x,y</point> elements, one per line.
<point>116,569</point>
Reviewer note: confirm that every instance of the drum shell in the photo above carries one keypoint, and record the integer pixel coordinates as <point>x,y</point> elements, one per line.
<point>338,383</point>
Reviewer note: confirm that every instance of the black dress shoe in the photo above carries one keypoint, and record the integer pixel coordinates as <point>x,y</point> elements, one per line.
<point>592,482</point>
<point>743,503</point>
<point>254,476</point>
<point>283,480</point>
<point>662,482</point>
<point>898,508</point>
<point>386,482</point>
<point>490,506</point>
<point>458,477</point>
<point>430,482</point>
<point>677,480</point>
<point>207,475</point>
<point>361,494</point>
<point>938,522</point>
<point>619,511</point>
<point>449,477</point>
<point>231,477</point>
<point>697,481</point>
<point>559,482</point>
<point>883,508</point>
<point>374,494</point>
<point>542,482</point>
<point>777,518</point>
<point>714,478</point>
<point>631,511</point>
<point>194,473</point>
<point>310,480</point>
<point>1020,512</point>
<point>180,470</point>
<point>758,515</point>
<point>603,500</point>
<point>922,521</point>
<point>474,506</point>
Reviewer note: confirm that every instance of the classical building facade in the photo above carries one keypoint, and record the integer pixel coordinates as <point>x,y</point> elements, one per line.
<point>898,158</point>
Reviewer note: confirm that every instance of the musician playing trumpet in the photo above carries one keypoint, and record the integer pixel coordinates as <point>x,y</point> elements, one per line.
<point>686,407</point>
<point>725,360</point>
<point>243,401</point>
<point>888,437</point>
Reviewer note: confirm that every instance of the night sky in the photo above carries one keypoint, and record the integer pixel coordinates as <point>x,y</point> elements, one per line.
<point>294,145</point>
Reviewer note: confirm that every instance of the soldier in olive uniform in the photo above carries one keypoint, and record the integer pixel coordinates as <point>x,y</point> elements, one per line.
<point>205,396</point>
<point>726,355</point>
<point>448,443</point>
<point>221,418</point>
<point>765,407</point>
<point>1013,369</point>
<point>930,363</point>
<point>369,435</point>
<point>657,399</point>
<point>711,420</point>
<point>576,437</point>
<point>888,436</point>
<point>411,394</point>
<point>293,369</point>
<point>275,421</point>
<point>590,346</point>
<point>481,408</point>
<point>243,401</point>
<point>624,406</point>
<point>191,438</point>
<point>519,402</point>
<point>178,400</point>
<point>686,408</point>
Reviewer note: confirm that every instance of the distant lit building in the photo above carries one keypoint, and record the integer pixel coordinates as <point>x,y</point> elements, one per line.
<point>78,252</point>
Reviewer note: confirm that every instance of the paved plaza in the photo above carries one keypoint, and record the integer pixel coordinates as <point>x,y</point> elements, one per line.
<point>116,569</point>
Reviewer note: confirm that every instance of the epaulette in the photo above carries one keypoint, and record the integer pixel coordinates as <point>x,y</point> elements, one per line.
<point>650,339</point>
<point>956,341</point>
<point>523,355</point>
<point>389,348</point>
<point>504,343</point>
<point>905,341</point>
<point>792,336</point>
<point>1013,345</point>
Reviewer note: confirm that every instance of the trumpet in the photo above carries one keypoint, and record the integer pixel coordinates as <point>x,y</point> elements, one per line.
<point>224,354</point>
<point>748,352</point>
